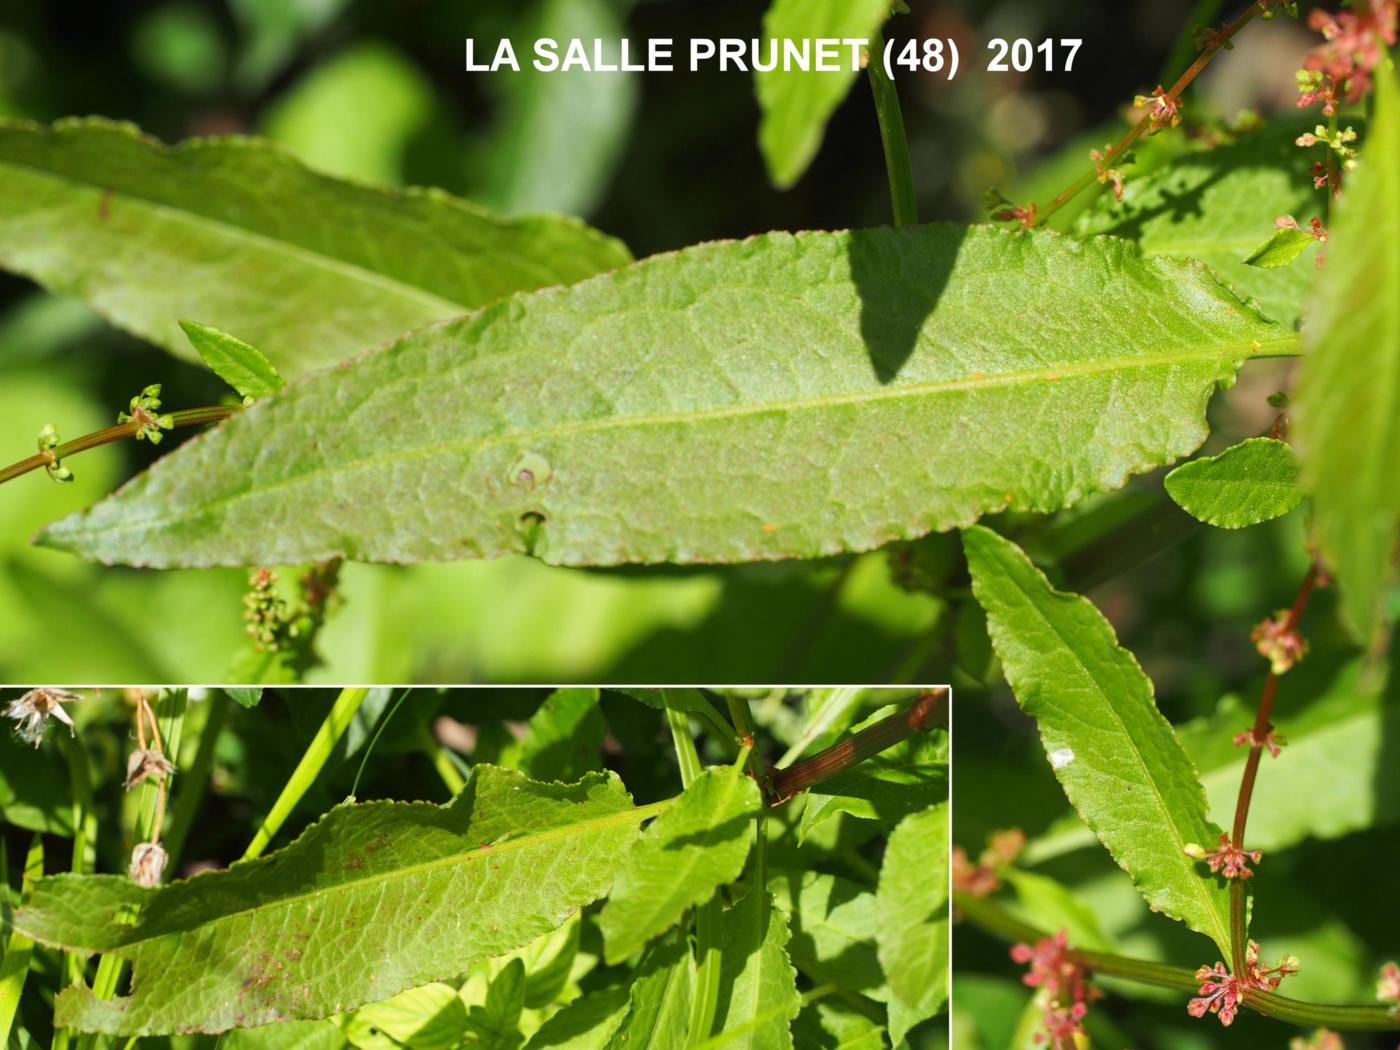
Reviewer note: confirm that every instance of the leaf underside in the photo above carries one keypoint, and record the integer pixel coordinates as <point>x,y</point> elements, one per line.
<point>238,235</point>
<point>1116,756</point>
<point>369,901</point>
<point>785,396</point>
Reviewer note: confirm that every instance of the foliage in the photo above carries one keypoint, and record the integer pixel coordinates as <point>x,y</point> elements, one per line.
<point>521,912</point>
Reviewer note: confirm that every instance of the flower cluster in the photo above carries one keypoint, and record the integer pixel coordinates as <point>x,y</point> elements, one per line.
<point>265,612</point>
<point>1065,984</point>
<point>1279,642</point>
<point>1221,992</point>
<point>1388,987</point>
<point>1163,110</point>
<point>1107,175</point>
<point>144,411</point>
<point>35,708</point>
<point>984,877</point>
<point>1272,740</point>
<point>48,448</point>
<point>1340,69</point>
<point>1227,859</point>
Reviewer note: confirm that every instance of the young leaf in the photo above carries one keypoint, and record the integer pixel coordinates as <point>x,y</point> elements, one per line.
<point>290,1035</point>
<point>237,233</point>
<point>786,396</point>
<point>1216,205</point>
<point>370,900</point>
<point>1348,396</point>
<point>1254,481</point>
<point>658,1013</point>
<point>1117,758</point>
<point>688,852</point>
<point>245,697</point>
<point>1282,249</point>
<point>241,366</point>
<point>912,915</point>
<point>432,1017</point>
<point>797,105</point>
<point>758,986</point>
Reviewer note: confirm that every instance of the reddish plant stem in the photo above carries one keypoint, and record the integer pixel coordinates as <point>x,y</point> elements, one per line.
<point>1258,7</point>
<point>1238,932</point>
<point>186,418</point>
<point>929,711</point>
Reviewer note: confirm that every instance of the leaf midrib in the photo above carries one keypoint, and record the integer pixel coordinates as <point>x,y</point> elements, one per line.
<point>440,306</point>
<point>636,814</point>
<point>1221,934</point>
<point>1282,345</point>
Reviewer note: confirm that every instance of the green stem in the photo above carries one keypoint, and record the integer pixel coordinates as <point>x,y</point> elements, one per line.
<point>84,852</point>
<point>897,162</point>
<point>833,706</point>
<point>708,915</point>
<point>14,959</point>
<point>194,782</point>
<point>994,919</point>
<point>310,766</point>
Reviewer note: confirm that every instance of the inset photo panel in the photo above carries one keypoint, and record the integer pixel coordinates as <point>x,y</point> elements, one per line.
<point>377,868</point>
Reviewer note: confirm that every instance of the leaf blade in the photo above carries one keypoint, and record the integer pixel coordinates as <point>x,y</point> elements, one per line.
<point>293,926</point>
<point>1348,396</point>
<point>1118,759</point>
<point>683,857</point>
<point>912,914</point>
<point>242,236</point>
<point>241,366</point>
<point>1249,483</point>
<point>725,403</point>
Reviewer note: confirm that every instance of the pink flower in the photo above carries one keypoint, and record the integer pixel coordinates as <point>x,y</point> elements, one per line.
<point>1163,110</point>
<point>1278,640</point>
<point>1227,860</point>
<point>1065,982</point>
<point>1388,987</point>
<point>1272,740</point>
<point>1221,992</point>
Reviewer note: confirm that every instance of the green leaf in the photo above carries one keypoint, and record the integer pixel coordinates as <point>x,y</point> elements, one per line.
<point>1117,758</point>
<point>887,787</point>
<point>247,697</point>
<point>786,396</point>
<point>1348,395</point>
<point>34,787</point>
<point>1216,205</point>
<point>658,1012</point>
<point>1282,249</point>
<point>911,907</point>
<point>833,922</point>
<point>432,1017</point>
<point>758,986</point>
<point>827,1025</point>
<point>237,233</point>
<point>369,86</point>
<point>235,362</point>
<point>564,737</point>
<point>797,105</point>
<point>291,1035</point>
<point>587,1023</point>
<point>1051,905</point>
<point>1252,482</point>
<point>558,137</point>
<point>370,900</point>
<point>17,948</point>
<point>682,858</point>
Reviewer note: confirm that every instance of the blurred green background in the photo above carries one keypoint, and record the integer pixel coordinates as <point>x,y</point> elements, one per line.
<point>377,91</point>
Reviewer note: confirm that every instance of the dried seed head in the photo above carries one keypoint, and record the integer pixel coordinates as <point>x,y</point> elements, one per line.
<point>35,708</point>
<point>145,763</point>
<point>148,862</point>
